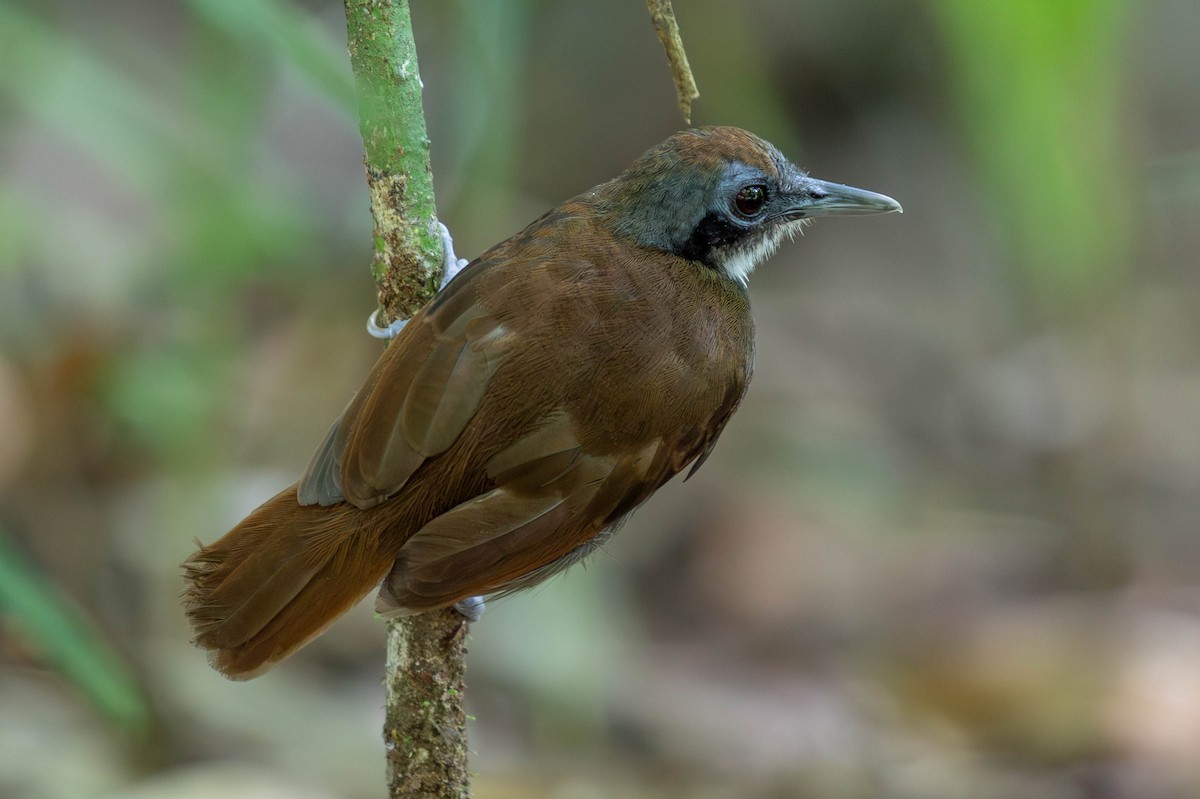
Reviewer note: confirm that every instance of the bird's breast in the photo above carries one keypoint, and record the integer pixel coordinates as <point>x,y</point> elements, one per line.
<point>633,349</point>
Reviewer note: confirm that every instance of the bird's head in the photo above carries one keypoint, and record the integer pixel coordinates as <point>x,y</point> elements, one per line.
<point>724,198</point>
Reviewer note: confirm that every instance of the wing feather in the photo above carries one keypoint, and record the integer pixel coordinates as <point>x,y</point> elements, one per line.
<point>415,403</point>
<point>322,480</point>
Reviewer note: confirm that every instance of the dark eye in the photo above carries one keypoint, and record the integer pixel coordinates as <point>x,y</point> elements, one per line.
<point>750,200</point>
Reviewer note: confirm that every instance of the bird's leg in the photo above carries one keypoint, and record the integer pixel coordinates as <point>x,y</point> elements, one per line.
<point>471,608</point>
<point>451,266</point>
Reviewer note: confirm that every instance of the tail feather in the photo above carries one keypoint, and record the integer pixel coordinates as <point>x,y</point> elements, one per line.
<point>276,581</point>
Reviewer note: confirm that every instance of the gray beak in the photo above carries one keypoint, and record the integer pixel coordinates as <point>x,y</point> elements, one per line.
<point>821,198</point>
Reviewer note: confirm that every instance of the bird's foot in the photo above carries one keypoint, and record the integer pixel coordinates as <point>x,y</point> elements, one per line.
<point>451,263</point>
<point>471,608</point>
<point>451,266</point>
<point>385,332</point>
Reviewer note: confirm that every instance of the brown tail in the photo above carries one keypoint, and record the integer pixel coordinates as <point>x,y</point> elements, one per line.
<point>277,580</point>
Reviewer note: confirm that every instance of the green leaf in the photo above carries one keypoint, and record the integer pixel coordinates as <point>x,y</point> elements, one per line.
<point>68,641</point>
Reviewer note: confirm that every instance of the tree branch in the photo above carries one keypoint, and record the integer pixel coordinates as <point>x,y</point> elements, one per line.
<point>662,15</point>
<point>425,726</point>
<point>407,246</point>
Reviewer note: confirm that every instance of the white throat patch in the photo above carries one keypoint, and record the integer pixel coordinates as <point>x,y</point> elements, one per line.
<point>739,263</point>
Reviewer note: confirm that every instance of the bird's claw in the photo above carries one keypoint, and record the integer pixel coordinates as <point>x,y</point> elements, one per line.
<point>451,266</point>
<point>471,608</point>
<point>385,332</point>
<point>451,263</point>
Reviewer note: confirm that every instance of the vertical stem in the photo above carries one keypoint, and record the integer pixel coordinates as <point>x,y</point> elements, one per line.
<point>392,121</point>
<point>425,728</point>
<point>662,16</point>
<point>425,725</point>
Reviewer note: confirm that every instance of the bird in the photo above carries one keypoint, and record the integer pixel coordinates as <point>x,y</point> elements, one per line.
<point>512,424</point>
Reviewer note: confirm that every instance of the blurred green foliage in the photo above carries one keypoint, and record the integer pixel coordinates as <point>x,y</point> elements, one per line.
<point>287,33</point>
<point>63,636</point>
<point>180,135</point>
<point>1039,87</point>
<point>194,209</point>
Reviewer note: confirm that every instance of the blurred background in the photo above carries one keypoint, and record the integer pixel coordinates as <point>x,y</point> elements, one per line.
<point>948,548</point>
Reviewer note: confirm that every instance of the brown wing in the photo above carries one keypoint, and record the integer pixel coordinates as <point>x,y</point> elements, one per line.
<point>414,404</point>
<point>551,502</point>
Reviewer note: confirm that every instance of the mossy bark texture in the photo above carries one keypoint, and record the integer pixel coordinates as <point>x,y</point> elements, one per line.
<point>425,727</point>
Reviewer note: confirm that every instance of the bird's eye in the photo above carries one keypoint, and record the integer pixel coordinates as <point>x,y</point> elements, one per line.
<point>750,200</point>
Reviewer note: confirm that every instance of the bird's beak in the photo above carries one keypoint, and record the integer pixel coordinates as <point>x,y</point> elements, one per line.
<point>821,198</point>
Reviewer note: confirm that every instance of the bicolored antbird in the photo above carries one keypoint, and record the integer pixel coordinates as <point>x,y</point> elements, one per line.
<point>545,393</point>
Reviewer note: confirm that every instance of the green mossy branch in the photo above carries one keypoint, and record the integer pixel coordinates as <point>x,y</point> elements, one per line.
<point>407,260</point>
<point>425,727</point>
